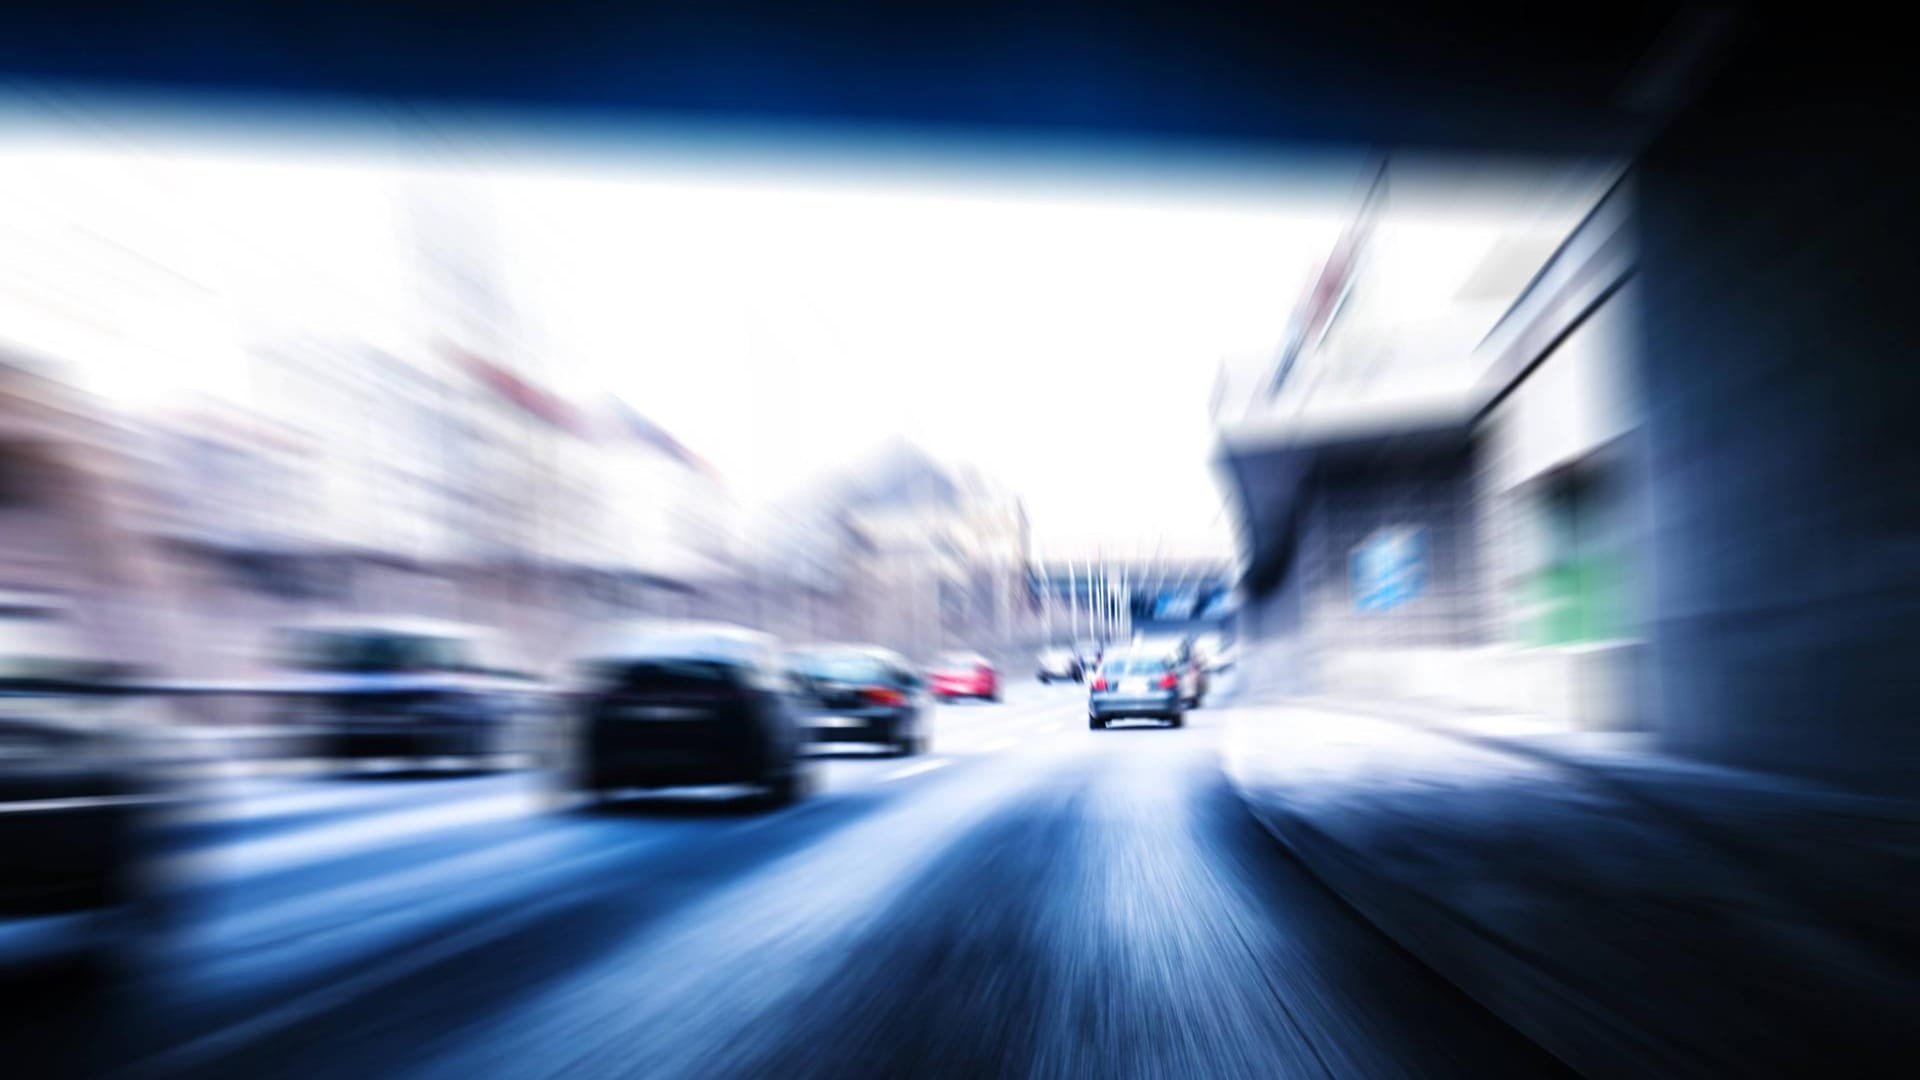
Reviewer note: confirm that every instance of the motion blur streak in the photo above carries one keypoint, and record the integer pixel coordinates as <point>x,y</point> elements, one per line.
<point>581,547</point>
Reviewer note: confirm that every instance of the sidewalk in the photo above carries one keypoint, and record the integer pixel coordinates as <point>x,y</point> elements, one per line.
<point>1634,914</point>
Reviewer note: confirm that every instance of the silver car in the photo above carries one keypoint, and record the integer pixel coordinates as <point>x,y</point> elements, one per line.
<point>1136,683</point>
<point>1058,664</point>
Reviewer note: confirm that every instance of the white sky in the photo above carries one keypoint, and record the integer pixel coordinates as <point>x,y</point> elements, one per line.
<point>1063,338</point>
<point>1067,346</point>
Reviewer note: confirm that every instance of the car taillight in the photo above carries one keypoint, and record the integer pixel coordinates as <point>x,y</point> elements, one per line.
<point>883,695</point>
<point>1100,682</point>
<point>1169,681</point>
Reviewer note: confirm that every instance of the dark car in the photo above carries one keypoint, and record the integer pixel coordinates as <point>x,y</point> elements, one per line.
<point>1136,683</point>
<point>417,691</point>
<point>687,706</point>
<point>71,794</point>
<point>858,694</point>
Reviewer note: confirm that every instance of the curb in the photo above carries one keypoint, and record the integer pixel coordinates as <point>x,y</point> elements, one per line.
<point>1591,1020</point>
<point>1522,989</point>
<point>1786,885</point>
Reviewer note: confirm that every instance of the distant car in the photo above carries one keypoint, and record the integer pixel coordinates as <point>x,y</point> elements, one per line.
<point>71,790</point>
<point>858,694</point>
<point>1089,654</point>
<point>686,706</point>
<point>418,690</point>
<point>1059,664</point>
<point>964,675</point>
<point>1135,683</point>
<point>1194,682</point>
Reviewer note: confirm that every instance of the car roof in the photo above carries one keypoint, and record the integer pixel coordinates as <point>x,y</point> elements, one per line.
<point>715,641</point>
<point>876,652</point>
<point>840,647</point>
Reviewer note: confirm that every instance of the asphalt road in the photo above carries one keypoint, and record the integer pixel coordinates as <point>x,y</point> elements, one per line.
<point>1029,898</point>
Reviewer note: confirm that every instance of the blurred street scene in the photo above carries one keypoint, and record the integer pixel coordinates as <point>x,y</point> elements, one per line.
<point>606,576</point>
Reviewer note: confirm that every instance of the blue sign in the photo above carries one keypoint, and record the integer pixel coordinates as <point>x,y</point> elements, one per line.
<point>1389,568</point>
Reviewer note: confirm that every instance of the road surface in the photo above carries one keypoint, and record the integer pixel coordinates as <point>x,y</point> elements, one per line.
<point>1030,898</point>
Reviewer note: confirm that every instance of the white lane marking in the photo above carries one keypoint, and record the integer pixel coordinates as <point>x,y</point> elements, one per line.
<point>914,770</point>
<point>1050,728</point>
<point>998,745</point>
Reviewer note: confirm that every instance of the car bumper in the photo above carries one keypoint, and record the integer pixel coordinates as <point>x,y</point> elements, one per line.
<point>674,755</point>
<point>855,725</point>
<point>1114,706</point>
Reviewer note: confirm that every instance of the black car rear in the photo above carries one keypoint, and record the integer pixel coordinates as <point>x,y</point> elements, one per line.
<point>858,695</point>
<point>688,717</point>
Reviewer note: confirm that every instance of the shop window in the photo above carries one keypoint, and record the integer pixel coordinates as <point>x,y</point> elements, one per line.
<point>1575,590</point>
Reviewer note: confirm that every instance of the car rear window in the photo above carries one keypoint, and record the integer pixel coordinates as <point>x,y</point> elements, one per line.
<point>840,667</point>
<point>665,676</point>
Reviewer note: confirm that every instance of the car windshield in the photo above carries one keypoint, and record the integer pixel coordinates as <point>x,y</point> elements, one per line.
<point>1137,665</point>
<point>840,667</point>
<point>364,652</point>
<point>959,660</point>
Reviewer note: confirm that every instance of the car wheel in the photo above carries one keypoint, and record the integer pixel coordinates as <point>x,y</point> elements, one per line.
<point>1094,723</point>
<point>906,741</point>
<point>1177,720</point>
<point>785,788</point>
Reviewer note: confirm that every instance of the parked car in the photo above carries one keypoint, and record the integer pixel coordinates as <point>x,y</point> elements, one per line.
<point>1136,683</point>
<point>686,705</point>
<point>964,674</point>
<point>418,690</point>
<point>858,694</point>
<point>1194,681</point>
<point>1059,664</point>
<point>72,792</point>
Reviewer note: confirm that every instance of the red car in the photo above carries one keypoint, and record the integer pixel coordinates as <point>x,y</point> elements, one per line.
<point>958,675</point>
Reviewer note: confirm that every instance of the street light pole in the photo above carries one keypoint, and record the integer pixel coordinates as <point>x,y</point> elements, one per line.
<point>1073,603</point>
